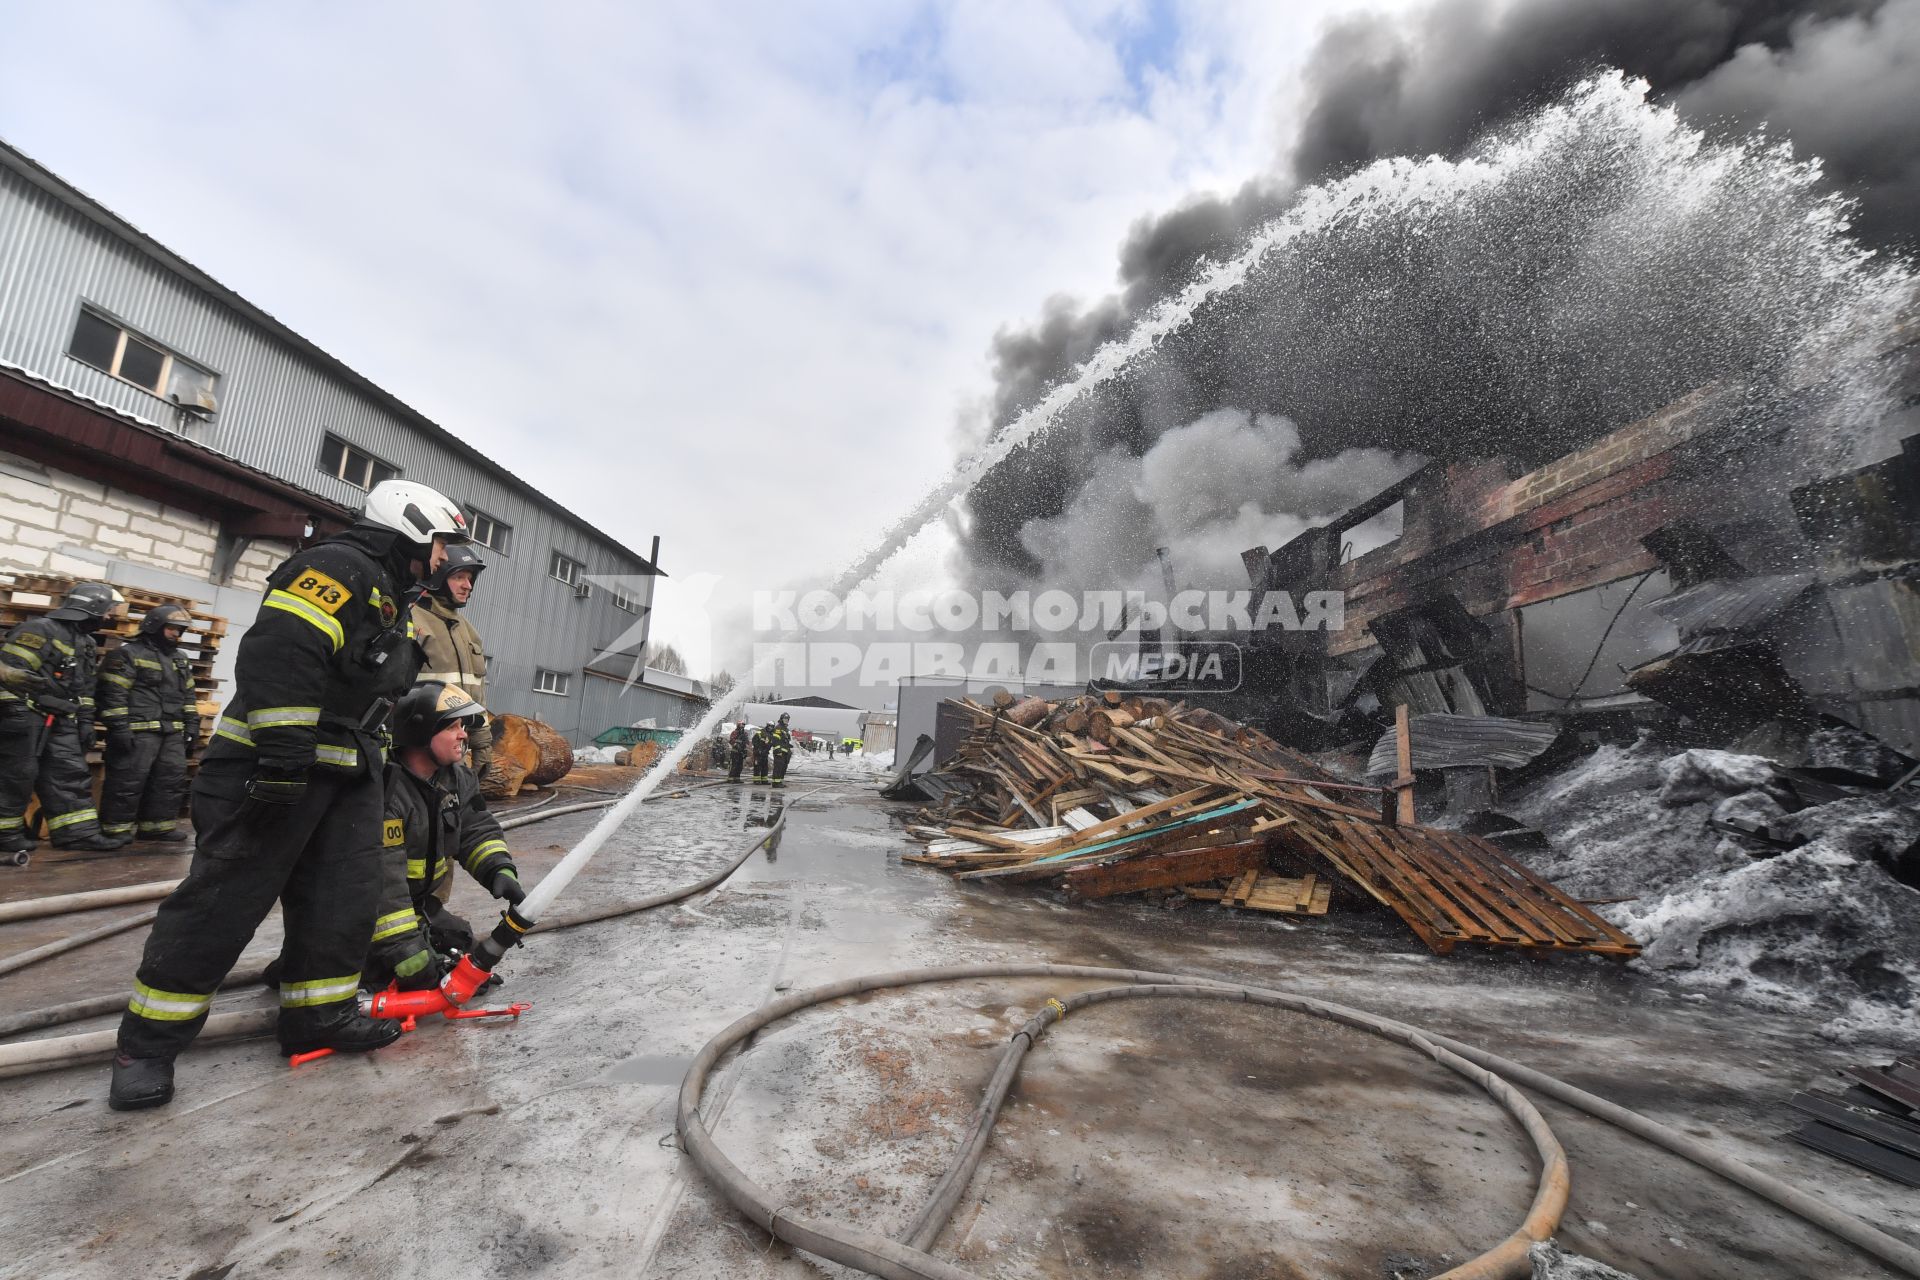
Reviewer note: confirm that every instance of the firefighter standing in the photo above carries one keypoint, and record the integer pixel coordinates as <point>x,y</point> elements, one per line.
<point>455,654</point>
<point>780,747</point>
<point>736,750</point>
<point>762,743</point>
<point>46,721</point>
<point>435,817</point>
<point>287,803</point>
<point>146,701</point>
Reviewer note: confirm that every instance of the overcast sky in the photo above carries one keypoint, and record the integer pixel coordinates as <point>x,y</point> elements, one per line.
<point>723,273</point>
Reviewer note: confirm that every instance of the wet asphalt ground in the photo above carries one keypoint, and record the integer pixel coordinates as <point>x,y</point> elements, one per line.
<point>1179,1139</point>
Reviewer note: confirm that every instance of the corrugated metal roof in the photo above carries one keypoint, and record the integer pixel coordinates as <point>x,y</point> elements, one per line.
<point>1732,606</point>
<point>1460,742</point>
<point>66,193</point>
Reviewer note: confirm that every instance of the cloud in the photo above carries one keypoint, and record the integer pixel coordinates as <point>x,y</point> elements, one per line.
<point>721,273</point>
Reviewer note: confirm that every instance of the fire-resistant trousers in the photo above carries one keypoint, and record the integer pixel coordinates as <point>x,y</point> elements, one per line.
<point>759,762</point>
<point>144,785</point>
<point>36,756</point>
<point>320,859</point>
<point>782,757</point>
<point>736,761</point>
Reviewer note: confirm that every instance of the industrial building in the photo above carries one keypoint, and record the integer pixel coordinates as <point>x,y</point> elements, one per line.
<point>158,430</point>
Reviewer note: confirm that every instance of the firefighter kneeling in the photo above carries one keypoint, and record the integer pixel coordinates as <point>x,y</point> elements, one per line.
<point>434,818</point>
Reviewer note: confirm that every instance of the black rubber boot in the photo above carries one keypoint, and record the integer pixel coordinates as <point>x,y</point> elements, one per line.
<point>18,842</point>
<point>354,1033</point>
<point>96,844</point>
<point>175,836</point>
<point>139,1083</point>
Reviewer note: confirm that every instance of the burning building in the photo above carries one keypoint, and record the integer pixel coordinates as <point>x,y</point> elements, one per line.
<point>1707,564</point>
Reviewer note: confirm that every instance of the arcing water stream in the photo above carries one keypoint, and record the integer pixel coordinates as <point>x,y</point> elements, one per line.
<point>1804,300</point>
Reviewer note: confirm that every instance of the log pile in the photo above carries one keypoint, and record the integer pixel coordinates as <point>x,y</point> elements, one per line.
<point>525,753</point>
<point>1102,795</point>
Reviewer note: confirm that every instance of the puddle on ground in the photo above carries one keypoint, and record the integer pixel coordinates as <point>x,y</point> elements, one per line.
<point>648,1069</point>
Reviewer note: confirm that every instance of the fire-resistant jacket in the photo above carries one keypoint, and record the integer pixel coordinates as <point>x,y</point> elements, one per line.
<point>147,686</point>
<point>454,656</point>
<point>332,639</point>
<point>63,653</point>
<point>430,824</point>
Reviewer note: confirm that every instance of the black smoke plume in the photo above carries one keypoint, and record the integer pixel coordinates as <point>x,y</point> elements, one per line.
<point>1835,77</point>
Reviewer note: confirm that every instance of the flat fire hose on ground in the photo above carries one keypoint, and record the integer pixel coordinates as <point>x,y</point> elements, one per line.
<point>904,1256</point>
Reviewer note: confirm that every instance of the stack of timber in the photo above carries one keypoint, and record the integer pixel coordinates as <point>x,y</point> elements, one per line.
<point>1105,794</point>
<point>31,595</point>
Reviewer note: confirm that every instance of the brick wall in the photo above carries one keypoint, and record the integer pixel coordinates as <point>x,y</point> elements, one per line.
<point>53,521</point>
<point>1499,543</point>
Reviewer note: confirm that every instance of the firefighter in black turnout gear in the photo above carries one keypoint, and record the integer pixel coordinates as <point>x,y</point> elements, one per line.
<point>736,751</point>
<point>761,743</point>
<point>46,721</point>
<point>287,803</point>
<point>434,818</point>
<point>146,703</point>
<point>780,748</point>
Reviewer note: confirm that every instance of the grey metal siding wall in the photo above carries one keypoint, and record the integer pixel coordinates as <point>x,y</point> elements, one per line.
<point>601,705</point>
<point>276,404</point>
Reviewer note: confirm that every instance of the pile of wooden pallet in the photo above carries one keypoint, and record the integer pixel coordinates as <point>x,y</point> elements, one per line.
<point>1106,795</point>
<point>30,595</point>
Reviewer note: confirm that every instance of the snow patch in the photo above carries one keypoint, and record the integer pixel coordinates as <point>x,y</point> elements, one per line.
<point>1823,927</point>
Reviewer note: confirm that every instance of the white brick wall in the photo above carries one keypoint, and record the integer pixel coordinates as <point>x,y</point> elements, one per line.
<point>69,524</point>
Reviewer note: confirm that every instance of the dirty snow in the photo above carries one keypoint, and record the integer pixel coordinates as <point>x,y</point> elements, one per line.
<point>1822,928</point>
<point>1550,1262</point>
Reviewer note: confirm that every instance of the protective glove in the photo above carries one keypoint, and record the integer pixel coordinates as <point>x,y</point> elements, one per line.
<point>433,967</point>
<point>54,703</point>
<point>271,796</point>
<point>119,742</point>
<point>507,885</point>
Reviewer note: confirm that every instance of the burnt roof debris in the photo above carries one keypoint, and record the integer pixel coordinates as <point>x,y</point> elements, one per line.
<point>1443,741</point>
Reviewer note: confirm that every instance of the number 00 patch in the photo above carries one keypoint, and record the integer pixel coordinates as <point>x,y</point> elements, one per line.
<point>319,588</point>
<point>393,833</point>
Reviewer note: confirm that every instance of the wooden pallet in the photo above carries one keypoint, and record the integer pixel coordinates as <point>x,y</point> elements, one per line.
<point>1452,888</point>
<point>1306,895</point>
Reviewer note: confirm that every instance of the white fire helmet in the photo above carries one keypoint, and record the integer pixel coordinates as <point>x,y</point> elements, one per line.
<point>418,513</point>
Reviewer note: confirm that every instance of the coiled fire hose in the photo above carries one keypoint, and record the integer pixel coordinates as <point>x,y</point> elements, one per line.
<point>905,1257</point>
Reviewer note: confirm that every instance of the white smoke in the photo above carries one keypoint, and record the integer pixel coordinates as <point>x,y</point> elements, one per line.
<point>1207,491</point>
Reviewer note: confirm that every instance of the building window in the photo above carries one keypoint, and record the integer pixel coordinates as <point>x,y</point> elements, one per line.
<point>125,355</point>
<point>555,682</point>
<point>487,531</point>
<point>361,470</point>
<point>624,599</point>
<point>569,571</point>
